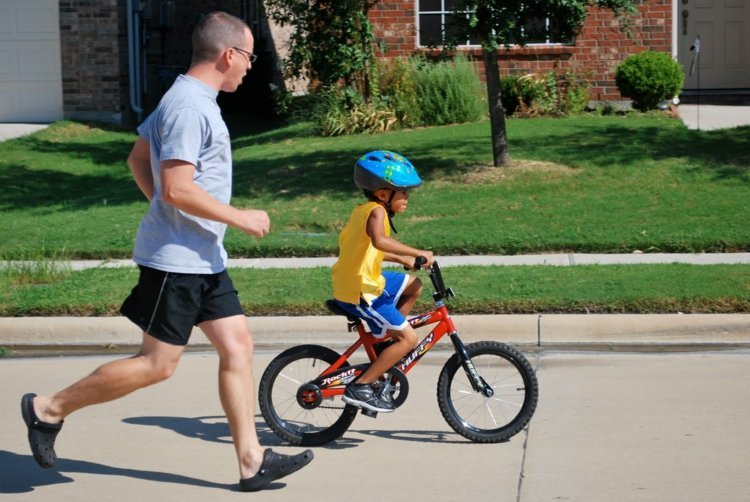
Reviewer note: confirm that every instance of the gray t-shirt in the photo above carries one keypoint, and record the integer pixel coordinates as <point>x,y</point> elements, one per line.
<point>186,125</point>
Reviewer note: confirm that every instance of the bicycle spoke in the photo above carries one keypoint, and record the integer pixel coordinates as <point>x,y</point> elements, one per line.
<point>283,375</point>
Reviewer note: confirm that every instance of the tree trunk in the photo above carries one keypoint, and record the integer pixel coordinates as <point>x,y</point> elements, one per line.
<point>500,153</point>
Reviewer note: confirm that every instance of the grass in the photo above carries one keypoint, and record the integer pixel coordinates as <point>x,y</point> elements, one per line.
<point>496,289</point>
<point>580,184</point>
<point>32,270</point>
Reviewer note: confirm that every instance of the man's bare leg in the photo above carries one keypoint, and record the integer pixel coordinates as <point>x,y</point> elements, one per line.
<point>258,466</point>
<point>155,362</point>
<point>234,344</point>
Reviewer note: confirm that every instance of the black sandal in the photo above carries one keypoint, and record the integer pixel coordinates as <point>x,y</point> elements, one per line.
<point>275,466</point>
<point>41,434</point>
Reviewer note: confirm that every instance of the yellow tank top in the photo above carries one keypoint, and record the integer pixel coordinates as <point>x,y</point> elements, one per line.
<point>357,273</point>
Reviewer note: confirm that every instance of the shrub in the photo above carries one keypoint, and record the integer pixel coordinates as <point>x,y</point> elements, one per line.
<point>513,93</point>
<point>338,112</point>
<point>574,93</point>
<point>648,78</point>
<point>410,93</point>
<point>543,94</point>
<point>361,119</point>
<point>448,91</point>
<point>398,90</point>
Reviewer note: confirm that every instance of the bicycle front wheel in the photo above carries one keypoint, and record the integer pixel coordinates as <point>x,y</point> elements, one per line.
<point>283,398</point>
<point>495,418</point>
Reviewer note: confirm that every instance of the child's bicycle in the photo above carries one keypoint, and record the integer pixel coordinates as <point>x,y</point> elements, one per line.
<point>490,401</point>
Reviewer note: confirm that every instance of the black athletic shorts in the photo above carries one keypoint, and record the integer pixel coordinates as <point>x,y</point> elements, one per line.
<point>167,305</point>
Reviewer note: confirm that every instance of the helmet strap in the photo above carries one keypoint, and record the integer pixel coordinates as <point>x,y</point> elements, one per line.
<point>390,212</point>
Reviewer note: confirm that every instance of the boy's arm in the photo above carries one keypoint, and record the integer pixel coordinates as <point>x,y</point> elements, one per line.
<point>392,249</point>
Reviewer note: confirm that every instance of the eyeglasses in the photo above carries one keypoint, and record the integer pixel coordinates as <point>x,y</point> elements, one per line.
<point>249,55</point>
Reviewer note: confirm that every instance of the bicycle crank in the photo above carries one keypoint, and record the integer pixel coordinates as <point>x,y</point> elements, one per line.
<point>393,386</point>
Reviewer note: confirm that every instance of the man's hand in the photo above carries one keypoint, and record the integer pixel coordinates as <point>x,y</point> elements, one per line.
<point>254,222</point>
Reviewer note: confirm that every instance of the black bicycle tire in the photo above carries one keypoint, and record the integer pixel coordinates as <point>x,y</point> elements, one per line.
<point>513,426</point>
<point>267,409</point>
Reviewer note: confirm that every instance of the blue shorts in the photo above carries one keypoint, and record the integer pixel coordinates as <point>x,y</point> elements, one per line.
<point>382,314</point>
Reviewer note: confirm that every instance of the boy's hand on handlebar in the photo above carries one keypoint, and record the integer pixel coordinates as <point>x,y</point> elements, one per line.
<point>428,260</point>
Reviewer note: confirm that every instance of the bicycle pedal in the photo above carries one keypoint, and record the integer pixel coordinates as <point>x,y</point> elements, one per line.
<point>369,413</point>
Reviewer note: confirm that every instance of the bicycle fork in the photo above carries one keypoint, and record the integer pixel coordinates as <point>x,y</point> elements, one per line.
<point>477,382</point>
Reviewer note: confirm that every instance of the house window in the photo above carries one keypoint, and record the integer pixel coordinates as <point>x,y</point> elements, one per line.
<point>436,18</point>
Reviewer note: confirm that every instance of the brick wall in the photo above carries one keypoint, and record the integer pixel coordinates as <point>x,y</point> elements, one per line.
<point>394,26</point>
<point>93,44</point>
<point>599,48</point>
<point>93,36</point>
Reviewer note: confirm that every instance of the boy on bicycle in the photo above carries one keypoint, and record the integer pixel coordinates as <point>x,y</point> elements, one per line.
<point>360,287</point>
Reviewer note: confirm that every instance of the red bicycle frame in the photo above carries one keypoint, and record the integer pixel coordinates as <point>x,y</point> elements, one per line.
<point>332,381</point>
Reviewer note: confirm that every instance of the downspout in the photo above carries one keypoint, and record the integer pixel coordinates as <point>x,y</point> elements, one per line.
<point>675,30</point>
<point>134,59</point>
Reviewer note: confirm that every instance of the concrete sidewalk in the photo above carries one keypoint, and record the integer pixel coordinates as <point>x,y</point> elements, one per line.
<point>556,259</point>
<point>11,131</point>
<point>712,117</point>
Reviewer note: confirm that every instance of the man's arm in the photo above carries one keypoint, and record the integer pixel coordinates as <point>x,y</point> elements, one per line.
<point>180,191</point>
<point>139,162</point>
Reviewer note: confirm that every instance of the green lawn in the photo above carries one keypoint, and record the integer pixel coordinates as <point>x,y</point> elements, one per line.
<point>579,184</point>
<point>583,184</point>
<point>495,289</point>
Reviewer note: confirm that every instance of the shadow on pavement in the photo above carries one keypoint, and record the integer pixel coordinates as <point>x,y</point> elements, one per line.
<point>420,436</point>
<point>213,429</point>
<point>21,474</point>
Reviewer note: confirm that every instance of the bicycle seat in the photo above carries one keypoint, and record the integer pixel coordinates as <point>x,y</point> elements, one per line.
<point>335,309</point>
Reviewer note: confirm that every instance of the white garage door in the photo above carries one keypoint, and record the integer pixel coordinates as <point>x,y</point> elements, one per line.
<point>30,74</point>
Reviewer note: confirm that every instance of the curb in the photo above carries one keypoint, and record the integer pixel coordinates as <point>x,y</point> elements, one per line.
<point>531,331</point>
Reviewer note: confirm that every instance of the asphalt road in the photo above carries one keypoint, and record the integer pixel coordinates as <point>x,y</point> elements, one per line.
<point>610,426</point>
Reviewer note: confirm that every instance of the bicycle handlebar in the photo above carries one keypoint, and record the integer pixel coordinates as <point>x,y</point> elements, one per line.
<point>436,277</point>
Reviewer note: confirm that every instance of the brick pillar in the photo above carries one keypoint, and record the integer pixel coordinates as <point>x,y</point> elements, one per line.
<point>94,73</point>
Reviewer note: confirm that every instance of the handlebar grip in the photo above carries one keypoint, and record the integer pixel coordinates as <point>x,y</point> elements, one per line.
<point>418,262</point>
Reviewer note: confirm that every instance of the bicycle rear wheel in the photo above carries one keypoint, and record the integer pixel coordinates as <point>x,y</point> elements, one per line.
<point>498,417</point>
<point>313,423</point>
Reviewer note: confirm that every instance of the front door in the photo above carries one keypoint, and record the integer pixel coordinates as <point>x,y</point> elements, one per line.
<point>724,30</point>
